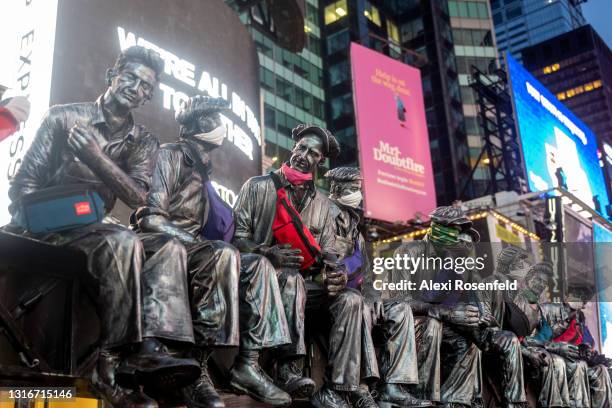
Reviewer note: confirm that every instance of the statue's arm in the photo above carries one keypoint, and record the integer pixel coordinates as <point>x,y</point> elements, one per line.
<point>130,186</point>
<point>154,217</point>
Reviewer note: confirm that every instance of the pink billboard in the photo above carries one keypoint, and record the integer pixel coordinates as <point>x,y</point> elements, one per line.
<point>392,133</point>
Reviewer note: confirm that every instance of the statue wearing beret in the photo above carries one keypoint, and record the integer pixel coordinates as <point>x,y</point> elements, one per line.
<point>391,319</point>
<point>283,217</point>
<point>235,298</point>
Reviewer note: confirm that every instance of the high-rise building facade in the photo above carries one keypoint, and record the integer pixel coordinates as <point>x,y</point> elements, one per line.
<point>291,83</point>
<point>577,68</point>
<point>474,42</point>
<point>419,33</point>
<point>521,23</point>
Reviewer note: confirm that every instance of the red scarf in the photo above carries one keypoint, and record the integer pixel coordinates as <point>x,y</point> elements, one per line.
<point>295,177</point>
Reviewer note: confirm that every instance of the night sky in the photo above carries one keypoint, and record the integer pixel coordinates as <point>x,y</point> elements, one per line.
<point>597,13</point>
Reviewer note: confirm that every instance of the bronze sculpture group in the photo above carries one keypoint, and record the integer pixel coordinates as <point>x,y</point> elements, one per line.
<point>191,274</point>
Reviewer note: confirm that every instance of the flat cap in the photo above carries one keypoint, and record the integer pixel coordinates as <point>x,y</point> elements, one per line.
<point>330,144</point>
<point>344,174</point>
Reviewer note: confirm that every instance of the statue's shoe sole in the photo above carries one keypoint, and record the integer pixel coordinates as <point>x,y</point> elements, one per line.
<point>300,389</point>
<point>240,390</point>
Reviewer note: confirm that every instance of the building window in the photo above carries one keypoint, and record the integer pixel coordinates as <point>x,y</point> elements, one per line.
<point>498,18</point>
<point>335,11</point>
<point>483,10</point>
<point>551,68</point>
<point>393,32</point>
<point>411,30</point>
<point>371,13</point>
<point>312,14</point>
<point>338,41</point>
<point>514,13</point>
<point>338,73</point>
<point>341,105</point>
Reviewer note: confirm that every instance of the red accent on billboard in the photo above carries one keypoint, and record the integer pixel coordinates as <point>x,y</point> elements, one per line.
<point>392,134</point>
<point>82,208</point>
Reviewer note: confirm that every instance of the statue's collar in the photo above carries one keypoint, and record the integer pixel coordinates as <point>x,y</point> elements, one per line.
<point>98,114</point>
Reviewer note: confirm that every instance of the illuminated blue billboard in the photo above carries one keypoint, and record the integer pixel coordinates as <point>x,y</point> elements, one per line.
<point>558,149</point>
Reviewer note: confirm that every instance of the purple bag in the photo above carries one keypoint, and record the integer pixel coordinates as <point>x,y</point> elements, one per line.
<point>354,268</point>
<point>220,222</point>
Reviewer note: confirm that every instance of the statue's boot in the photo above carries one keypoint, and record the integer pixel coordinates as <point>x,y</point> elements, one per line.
<point>247,377</point>
<point>396,396</point>
<point>104,381</point>
<point>290,379</point>
<point>203,394</point>
<point>328,398</point>
<point>155,368</point>
<point>362,398</point>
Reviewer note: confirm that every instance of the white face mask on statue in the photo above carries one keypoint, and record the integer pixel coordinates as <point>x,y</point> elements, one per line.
<point>214,137</point>
<point>351,200</point>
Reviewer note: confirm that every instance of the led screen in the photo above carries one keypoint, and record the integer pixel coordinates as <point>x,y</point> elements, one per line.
<point>558,149</point>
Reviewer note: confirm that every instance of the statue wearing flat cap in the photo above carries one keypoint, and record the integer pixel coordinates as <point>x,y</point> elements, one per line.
<point>453,328</point>
<point>282,216</point>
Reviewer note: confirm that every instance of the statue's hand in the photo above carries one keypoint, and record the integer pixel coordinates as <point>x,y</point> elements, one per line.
<point>335,281</point>
<point>84,142</point>
<point>565,350</point>
<point>282,256</point>
<point>535,358</point>
<point>460,315</point>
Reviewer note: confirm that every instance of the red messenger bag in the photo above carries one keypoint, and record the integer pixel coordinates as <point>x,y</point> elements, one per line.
<point>288,228</point>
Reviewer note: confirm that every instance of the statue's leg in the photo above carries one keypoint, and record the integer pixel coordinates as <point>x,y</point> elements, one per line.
<point>428,339</point>
<point>506,345</point>
<point>600,387</point>
<point>459,368</point>
<point>293,292</point>
<point>369,362</point>
<point>554,391</point>
<point>341,319</point>
<point>398,357</point>
<point>115,258</point>
<point>213,270</point>
<point>165,295</point>
<point>578,383</point>
<point>344,355</point>
<point>263,323</point>
<point>262,316</point>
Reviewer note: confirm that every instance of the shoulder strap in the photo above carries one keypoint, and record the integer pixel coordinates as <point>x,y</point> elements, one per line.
<point>200,167</point>
<point>276,180</point>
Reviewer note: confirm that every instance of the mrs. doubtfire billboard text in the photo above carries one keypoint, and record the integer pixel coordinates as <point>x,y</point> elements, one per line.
<point>392,133</point>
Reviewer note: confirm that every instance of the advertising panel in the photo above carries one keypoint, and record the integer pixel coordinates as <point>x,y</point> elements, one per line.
<point>603,267</point>
<point>558,148</point>
<point>27,48</point>
<point>207,49</point>
<point>392,134</point>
